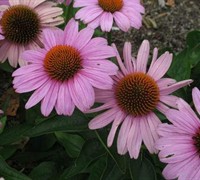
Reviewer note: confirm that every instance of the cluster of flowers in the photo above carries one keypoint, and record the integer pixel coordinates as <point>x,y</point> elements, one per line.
<point>69,68</point>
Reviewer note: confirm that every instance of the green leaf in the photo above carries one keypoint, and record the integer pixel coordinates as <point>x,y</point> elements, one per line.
<point>75,123</point>
<point>180,68</point>
<point>98,168</point>
<point>71,142</point>
<point>56,154</point>
<point>193,39</point>
<point>7,151</point>
<point>119,160</point>
<point>194,55</point>
<point>91,151</point>
<point>44,171</point>
<point>9,173</point>
<point>141,169</point>
<point>3,123</point>
<point>14,134</point>
<point>112,171</point>
<point>6,67</point>
<point>41,143</point>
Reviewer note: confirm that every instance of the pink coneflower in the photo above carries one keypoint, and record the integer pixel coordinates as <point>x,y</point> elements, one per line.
<point>179,144</point>
<point>135,95</point>
<point>125,13</point>
<point>21,24</point>
<point>64,73</point>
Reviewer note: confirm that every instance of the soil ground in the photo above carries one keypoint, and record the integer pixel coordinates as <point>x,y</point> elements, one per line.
<point>169,28</point>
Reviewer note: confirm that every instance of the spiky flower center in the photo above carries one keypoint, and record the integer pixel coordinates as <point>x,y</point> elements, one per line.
<point>20,24</point>
<point>137,94</point>
<point>62,62</point>
<point>196,139</point>
<point>111,5</point>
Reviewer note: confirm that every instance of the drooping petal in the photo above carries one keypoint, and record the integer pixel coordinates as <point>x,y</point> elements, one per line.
<point>123,135</point>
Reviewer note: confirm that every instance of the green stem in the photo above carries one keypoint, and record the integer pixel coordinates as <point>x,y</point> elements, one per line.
<point>106,148</point>
<point>109,37</point>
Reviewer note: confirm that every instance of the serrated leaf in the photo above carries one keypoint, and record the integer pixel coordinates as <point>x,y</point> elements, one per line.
<point>71,142</point>
<point>9,173</point>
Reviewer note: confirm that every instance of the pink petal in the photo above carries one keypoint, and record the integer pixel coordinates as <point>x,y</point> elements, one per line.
<point>103,119</point>
<point>97,79</point>
<point>160,66</point>
<point>38,95</point>
<point>118,119</point>
<point>174,87</point>
<point>127,57</point>
<point>119,60</point>
<point>49,100</point>
<point>122,21</point>
<point>196,98</point>
<point>169,100</point>
<point>104,66</point>
<point>71,32</point>
<point>108,105</point>
<point>106,21</point>
<point>104,96</point>
<point>84,36</point>
<point>182,120</point>
<point>142,57</point>
<point>172,171</point>
<point>147,135</point>
<point>123,135</point>
<point>64,104</point>
<point>49,39</point>
<point>134,139</point>
<point>185,108</point>
<point>165,82</point>
<point>82,92</point>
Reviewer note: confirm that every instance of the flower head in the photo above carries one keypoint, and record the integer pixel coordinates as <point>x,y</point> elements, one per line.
<point>21,24</point>
<point>63,74</point>
<point>136,93</point>
<point>179,144</point>
<point>125,13</point>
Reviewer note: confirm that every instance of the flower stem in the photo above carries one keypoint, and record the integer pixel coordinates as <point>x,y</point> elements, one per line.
<point>109,37</point>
